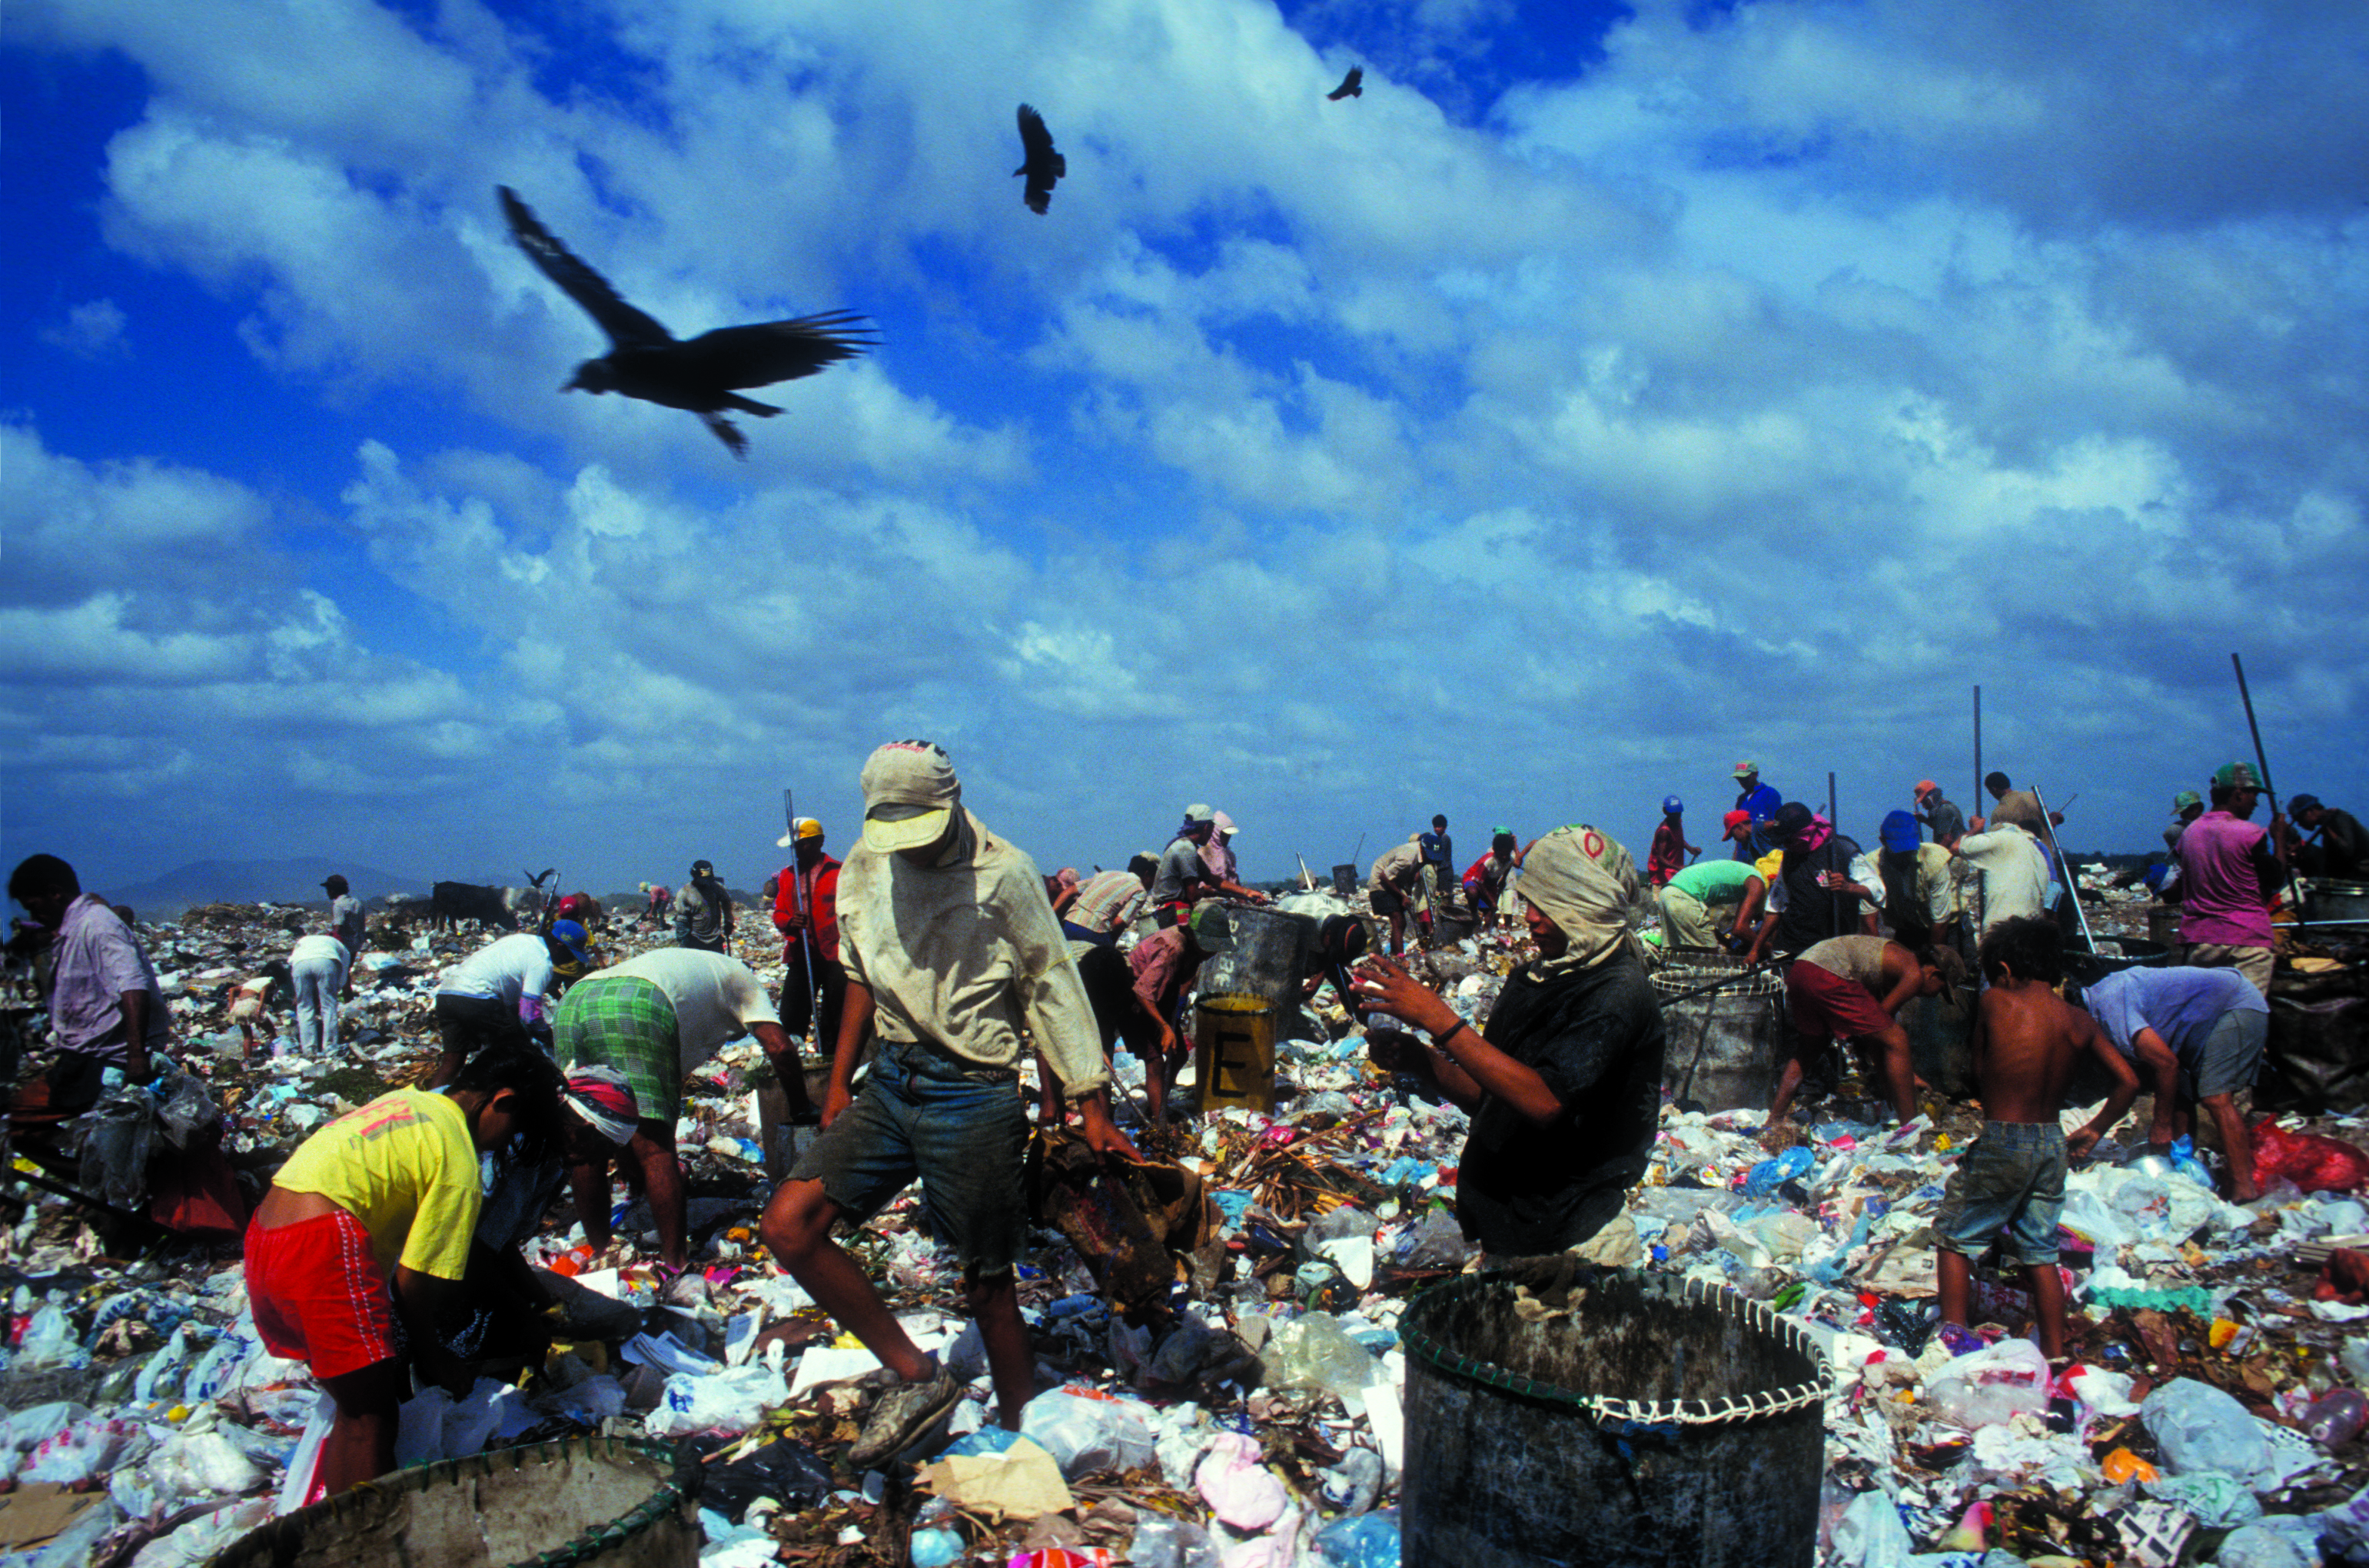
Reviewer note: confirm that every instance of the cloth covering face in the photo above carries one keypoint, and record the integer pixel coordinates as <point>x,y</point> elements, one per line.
<point>403,1165</point>
<point>966,951</point>
<point>1582,879</point>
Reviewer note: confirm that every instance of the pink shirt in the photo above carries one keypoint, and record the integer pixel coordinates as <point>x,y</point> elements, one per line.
<point>2222,864</point>
<point>98,960</point>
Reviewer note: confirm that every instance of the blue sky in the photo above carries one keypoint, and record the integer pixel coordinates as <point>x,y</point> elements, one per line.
<point>1611,394</point>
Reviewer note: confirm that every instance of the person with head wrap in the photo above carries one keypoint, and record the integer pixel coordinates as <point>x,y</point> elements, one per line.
<point>956,959</point>
<point>597,1119</point>
<point>1185,877</point>
<point>703,911</point>
<point>1563,1082</point>
<point>655,1019</point>
<point>1824,887</point>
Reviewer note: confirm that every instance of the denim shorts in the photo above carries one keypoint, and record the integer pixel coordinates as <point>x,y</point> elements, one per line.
<point>960,1127</point>
<point>2012,1179</point>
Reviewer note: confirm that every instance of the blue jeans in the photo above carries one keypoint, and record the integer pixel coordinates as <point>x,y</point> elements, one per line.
<point>960,1127</point>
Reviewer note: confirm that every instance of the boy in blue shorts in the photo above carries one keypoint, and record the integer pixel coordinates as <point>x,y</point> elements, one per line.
<point>2027,1042</point>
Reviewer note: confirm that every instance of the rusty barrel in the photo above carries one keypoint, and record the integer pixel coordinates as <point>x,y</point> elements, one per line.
<point>1233,1056</point>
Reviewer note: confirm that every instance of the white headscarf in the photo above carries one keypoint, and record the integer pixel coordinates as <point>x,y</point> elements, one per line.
<point>1582,879</point>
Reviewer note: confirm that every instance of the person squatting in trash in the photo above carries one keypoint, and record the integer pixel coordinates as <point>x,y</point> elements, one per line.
<point>1563,1082</point>
<point>1484,880</point>
<point>495,995</point>
<point>1852,989</point>
<point>2196,1037</point>
<point>506,1296</point>
<point>355,1257</point>
<point>656,1018</point>
<point>2026,1042</point>
<point>952,950</point>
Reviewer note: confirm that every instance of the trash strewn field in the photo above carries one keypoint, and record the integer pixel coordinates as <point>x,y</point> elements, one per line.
<point>1217,1334</point>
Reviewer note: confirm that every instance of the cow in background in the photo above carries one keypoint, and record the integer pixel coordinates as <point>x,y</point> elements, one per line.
<point>450,903</point>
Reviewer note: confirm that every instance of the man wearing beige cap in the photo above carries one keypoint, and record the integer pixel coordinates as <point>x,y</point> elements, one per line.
<point>1761,802</point>
<point>950,951</point>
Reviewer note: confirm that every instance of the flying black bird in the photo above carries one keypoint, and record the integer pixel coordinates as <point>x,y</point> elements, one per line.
<point>1041,164</point>
<point>703,374</point>
<point>1352,86</point>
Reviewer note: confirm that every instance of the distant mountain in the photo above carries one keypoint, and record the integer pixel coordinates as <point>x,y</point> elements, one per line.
<point>254,882</point>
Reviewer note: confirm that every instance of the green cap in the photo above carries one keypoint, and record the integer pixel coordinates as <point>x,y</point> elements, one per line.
<point>2237,775</point>
<point>2185,799</point>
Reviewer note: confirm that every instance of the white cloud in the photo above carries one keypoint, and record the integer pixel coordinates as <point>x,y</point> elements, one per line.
<point>92,330</point>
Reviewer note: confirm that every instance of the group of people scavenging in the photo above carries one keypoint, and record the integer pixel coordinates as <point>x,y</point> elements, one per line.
<point>377,1250</point>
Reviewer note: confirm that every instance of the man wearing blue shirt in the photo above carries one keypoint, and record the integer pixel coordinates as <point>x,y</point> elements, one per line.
<point>2196,1036</point>
<point>1762,801</point>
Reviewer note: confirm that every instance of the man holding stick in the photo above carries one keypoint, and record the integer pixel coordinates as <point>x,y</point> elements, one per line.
<point>2229,876</point>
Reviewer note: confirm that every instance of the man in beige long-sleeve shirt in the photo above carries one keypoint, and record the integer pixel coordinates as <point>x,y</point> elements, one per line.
<point>951,949</point>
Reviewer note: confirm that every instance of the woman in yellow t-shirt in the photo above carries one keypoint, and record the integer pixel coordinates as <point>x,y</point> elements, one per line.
<point>373,1216</point>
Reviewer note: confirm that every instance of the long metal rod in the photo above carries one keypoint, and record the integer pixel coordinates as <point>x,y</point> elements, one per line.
<point>2065,869</point>
<point>2262,760</point>
<point>1834,901</point>
<point>1978,796</point>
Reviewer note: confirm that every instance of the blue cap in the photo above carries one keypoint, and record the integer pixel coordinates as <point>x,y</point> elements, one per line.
<point>1672,806</point>
<point>1899,833</point>
<point>572,936</point>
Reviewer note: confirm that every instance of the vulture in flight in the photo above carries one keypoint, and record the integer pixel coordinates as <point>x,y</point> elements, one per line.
<point>704,374</point>
<point>1041,164</point>
<point>1352,86</point>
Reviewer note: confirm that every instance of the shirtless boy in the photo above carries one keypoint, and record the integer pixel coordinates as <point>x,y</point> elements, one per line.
<point>2027,1042</point>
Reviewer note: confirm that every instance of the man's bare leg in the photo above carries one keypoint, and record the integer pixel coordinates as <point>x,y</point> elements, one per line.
<point>1011,1358</point>
<point>1955,1277</point>
<point>797,1227</point>
<point>2048,1306</point>
<point>2236,1143</point>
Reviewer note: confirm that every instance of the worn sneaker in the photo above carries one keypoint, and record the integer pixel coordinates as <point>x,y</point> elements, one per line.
<point>898,1421</point>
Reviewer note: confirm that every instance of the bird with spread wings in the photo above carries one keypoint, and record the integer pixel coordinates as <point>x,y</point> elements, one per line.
<point>1353,85</point>
<point>1040,163</point>
<point>703,374</point>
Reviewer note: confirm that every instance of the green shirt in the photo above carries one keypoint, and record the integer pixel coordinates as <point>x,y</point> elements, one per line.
<point>1715,881</point>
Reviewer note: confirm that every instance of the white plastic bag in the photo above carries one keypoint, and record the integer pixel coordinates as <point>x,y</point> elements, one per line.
<point>1086,1435</point>
<point>1871,1536</point>
<point>730,1401</point>
<point>1990,1386</point>
<point>2198,1427</point>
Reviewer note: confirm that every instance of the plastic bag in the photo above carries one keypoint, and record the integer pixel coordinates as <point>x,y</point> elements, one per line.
<point>31,1428</point>
<point>1239,1490</point>
<point>1311,1351</point>
<point>1871,1535</point>
<point>80,1452</point>
<point>1436,1240</point>
<point>784,1471</point>
<point>1162,1543</point>
<point>2310,1161</point>
<point>117,1135</point>
<point>1086,1435</point>
<point>185,1111</point>
<point>1990,1386</point>
<point>1362,1540</point>
<point>2278,1541</point>
<point>2198,1427</point>
<point>730,1401</point>
<point>49,1341</point>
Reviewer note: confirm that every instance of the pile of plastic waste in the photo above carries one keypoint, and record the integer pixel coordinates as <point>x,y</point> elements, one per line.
<point>1247,1412</point>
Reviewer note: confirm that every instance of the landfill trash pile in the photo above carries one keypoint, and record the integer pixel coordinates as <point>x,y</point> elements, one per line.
<point>1216,1334</point>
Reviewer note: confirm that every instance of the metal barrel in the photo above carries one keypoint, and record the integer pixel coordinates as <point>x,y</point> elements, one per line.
<point>1656,1422</point>
<point>1234,1057</point>
<point>1258,952</point>
<point>1719,1016</point>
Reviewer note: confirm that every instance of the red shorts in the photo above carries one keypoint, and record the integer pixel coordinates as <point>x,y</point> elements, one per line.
<point>319,1295</point>
<point>1828,1006</point>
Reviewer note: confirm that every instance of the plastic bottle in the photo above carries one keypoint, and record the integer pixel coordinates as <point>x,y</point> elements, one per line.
<point>1362,1540</point>
<point>2334,1418</point>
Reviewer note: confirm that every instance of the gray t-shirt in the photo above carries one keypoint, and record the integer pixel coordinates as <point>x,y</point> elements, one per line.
<point>346,920</point>
<point>1180,868</point>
